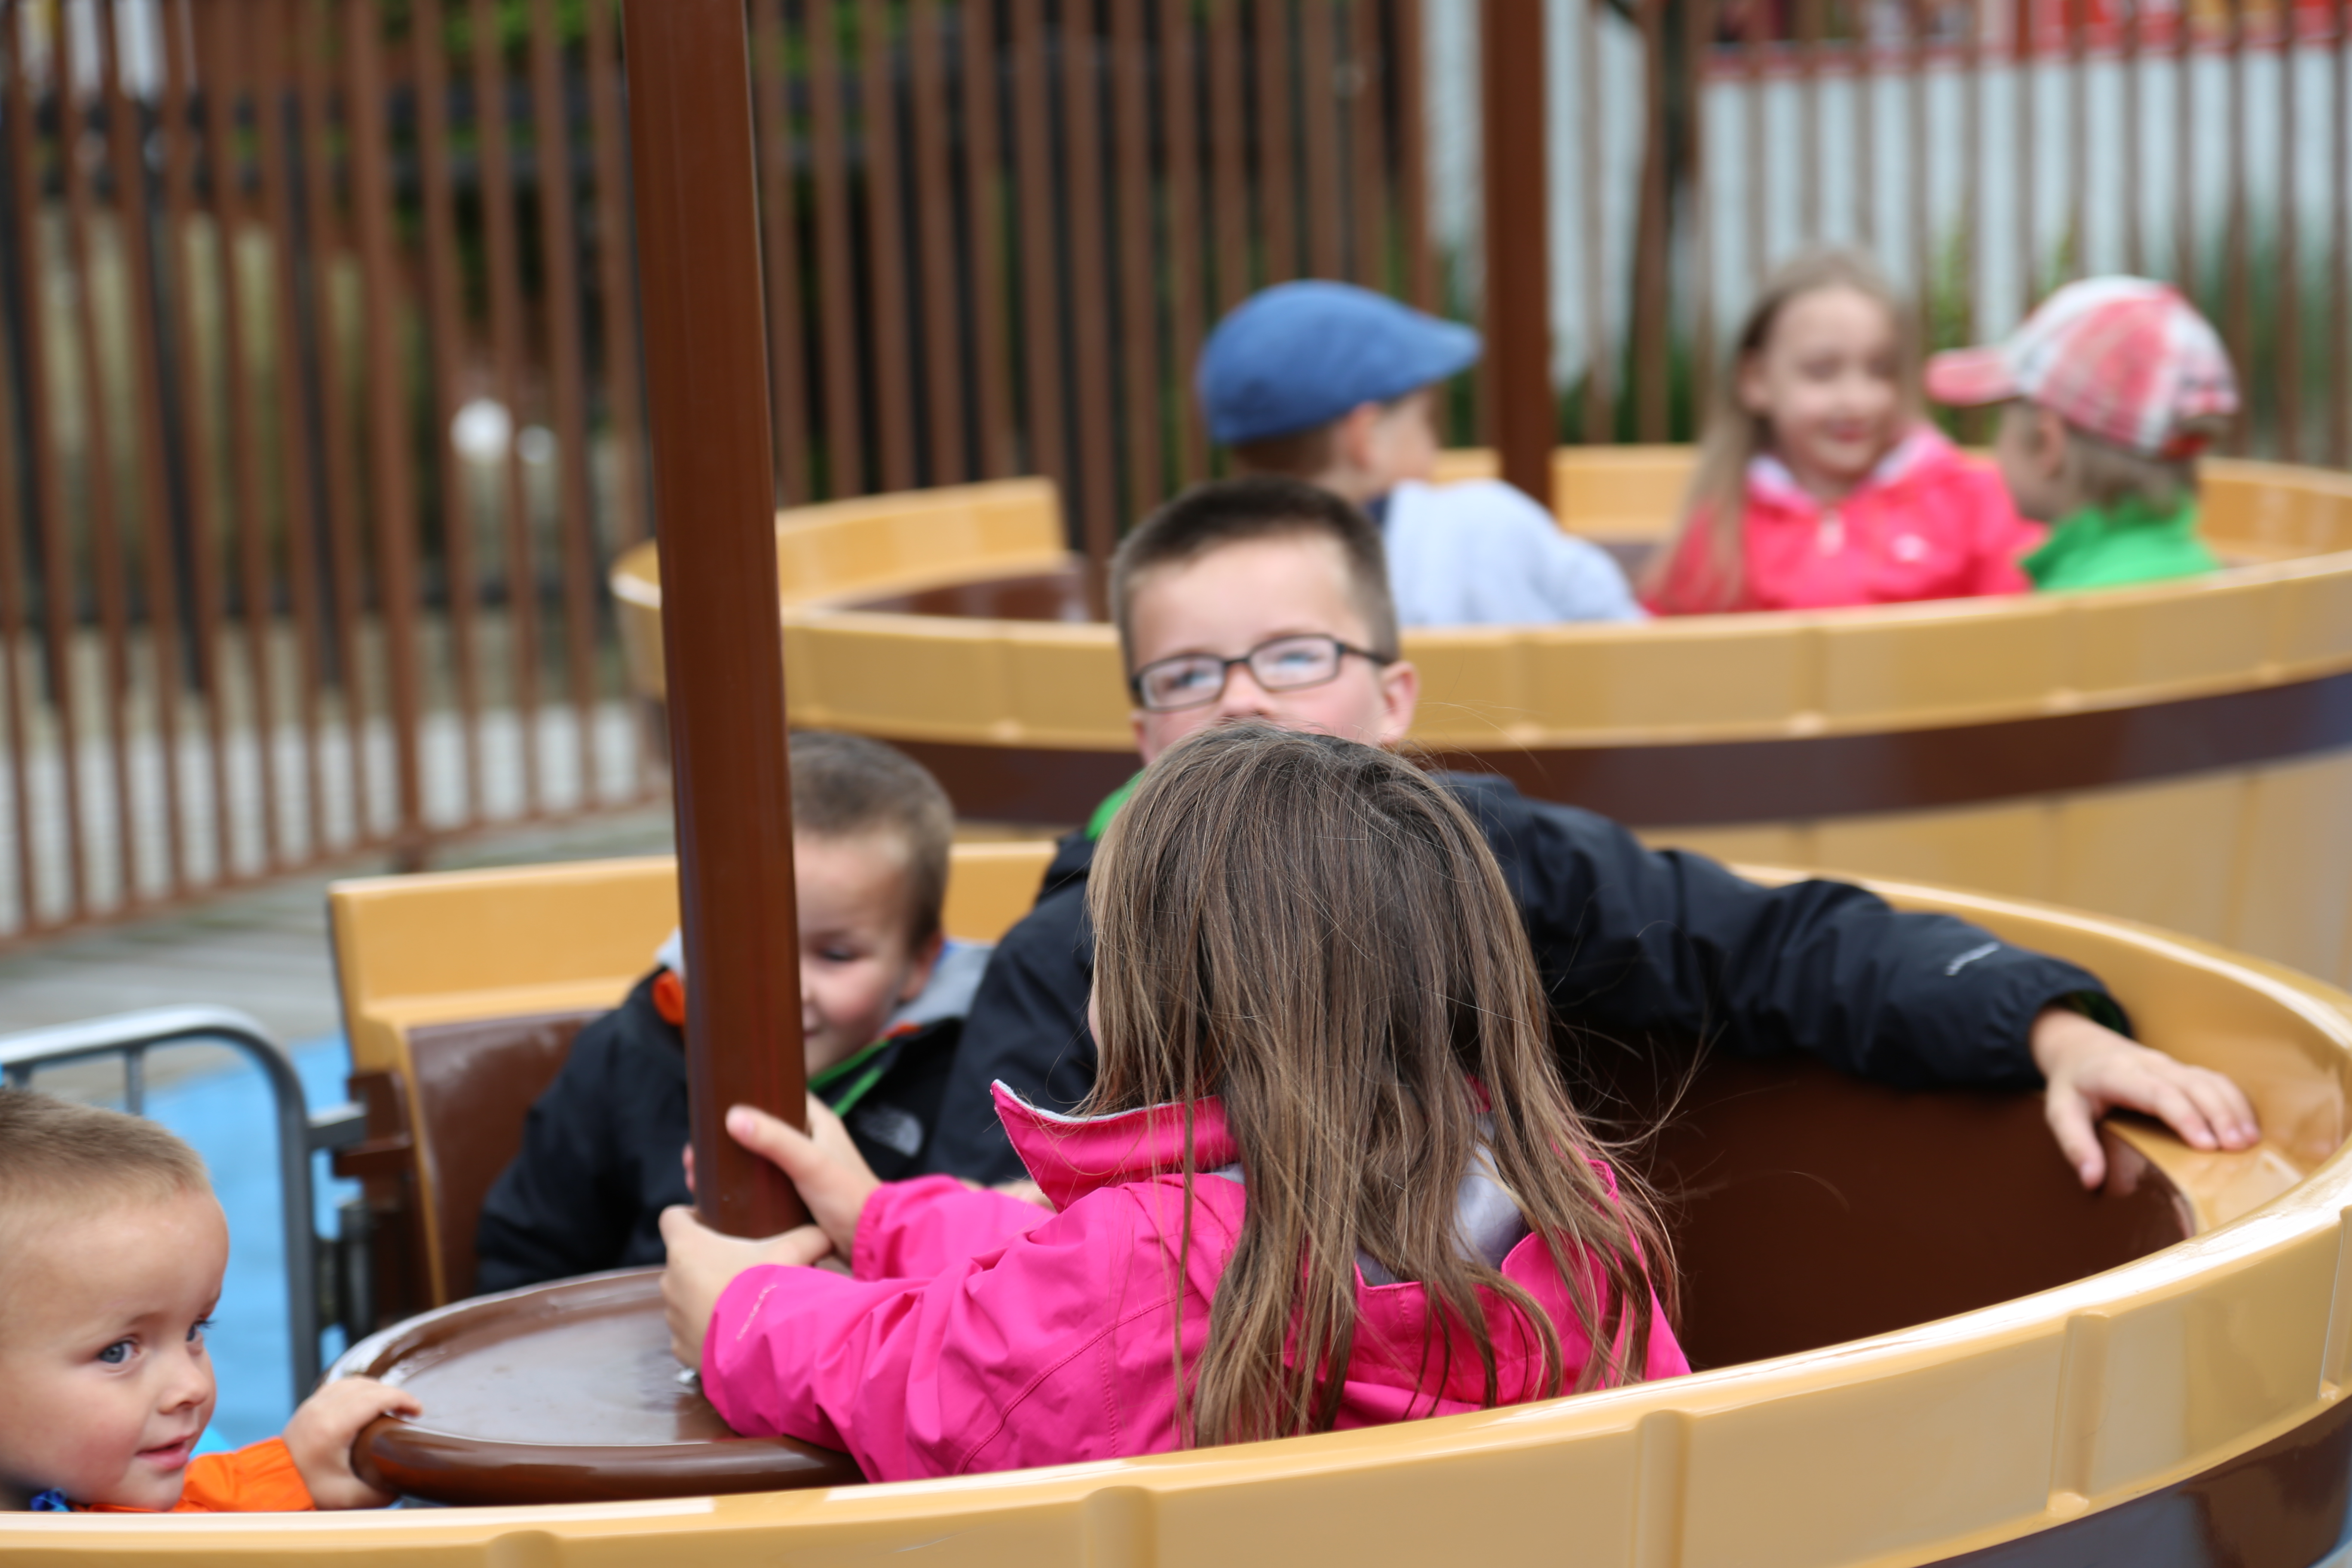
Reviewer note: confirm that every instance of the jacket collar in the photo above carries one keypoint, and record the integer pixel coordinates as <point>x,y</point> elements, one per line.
<point>1070,1156</point>
<point>1769,478</point>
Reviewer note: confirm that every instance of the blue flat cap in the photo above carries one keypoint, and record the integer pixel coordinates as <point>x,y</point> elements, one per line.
<point>1301,355</point>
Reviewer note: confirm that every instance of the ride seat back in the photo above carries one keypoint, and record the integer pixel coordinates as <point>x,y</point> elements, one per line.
<point>462,993</point>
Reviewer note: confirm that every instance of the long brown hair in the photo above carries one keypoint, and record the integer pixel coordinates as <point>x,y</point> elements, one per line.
<point>1717,499</point>
<point>1317,933</point>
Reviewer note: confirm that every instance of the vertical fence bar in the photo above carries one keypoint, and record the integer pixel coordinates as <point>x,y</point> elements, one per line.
<point>1866,118</point>
<point>1090,312</point>
<point>366,107</point>
<point>2184,115</point>
<point>2029,151</point>
<point>1277,196</point>
<point>1140,266</point>
<point>1319,109</point>
<point>1808,118</point>
<point>1181,133</point>
<point>844,425</point>
<point>1228,134</point>
<point>1412,157</point>
<point>2078,137</point>
<point>2238,329</point>
<point>1972,180</point>
<point>1699,48</point>
<point>13,645</point>
<point>503,259</point>
<point>178,142</point>
<point>2135,210</point>
<point>61,605</point>
<point>985,188</point>
<point>313,42</point>
<point>444,306</point>
<point>779,249</point>
<point>616,283</point>
<point>104,510</point>
<point>1365,76</point>
<point>1923,240</point>
<point>937,251</point>
<point>1518,225</point>
<point>2339,271</point>
<point>1752,49</point>
<point>567,369</point>
<point>2290,253</point>
<point>134,240</point>
<point>1651,357</point>
<point>885,261</point>
<point>1041,293</point>
<point>298,474</point>
<point>1600,418</point>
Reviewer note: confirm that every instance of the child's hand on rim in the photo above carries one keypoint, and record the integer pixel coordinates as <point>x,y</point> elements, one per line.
<point>323,1429</point>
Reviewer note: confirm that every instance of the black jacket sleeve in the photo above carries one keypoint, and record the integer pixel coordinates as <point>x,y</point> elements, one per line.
<point>1640,941</point>
<point>1027,1026</point>
<point>611,1124</point>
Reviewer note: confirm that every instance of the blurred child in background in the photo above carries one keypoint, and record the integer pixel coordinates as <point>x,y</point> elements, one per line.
<point>2111,390</point>
<point>1819,484</point>
<point>1337,385</point>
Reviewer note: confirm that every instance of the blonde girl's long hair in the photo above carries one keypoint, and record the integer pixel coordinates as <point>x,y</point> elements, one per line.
<point>1316,931</point>
<point>1717,502</point>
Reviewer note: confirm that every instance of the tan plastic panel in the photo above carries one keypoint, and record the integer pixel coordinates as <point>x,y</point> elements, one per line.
<point>1899,1450</point>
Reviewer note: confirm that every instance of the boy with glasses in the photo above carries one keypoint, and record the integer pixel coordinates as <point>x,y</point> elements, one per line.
<point>1268,599</point>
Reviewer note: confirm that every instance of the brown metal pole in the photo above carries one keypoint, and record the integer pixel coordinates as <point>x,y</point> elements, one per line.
<point>1518,270</point>
<point>706,383</point>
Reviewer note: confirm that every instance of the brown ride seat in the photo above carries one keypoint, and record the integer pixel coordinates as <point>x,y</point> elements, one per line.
<point>461,993</point>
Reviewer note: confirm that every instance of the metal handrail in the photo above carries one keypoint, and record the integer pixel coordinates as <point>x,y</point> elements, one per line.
<point>130,1035</point>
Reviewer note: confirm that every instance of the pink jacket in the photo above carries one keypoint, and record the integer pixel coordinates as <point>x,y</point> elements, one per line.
<point>981,1333</point>
<point>1928,523</point>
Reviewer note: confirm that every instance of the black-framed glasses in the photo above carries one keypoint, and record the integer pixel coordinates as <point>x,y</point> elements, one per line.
<point>1280,664</point>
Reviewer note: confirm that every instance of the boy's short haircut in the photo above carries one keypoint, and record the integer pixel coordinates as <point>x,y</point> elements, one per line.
<point>2102,473</point>
<point>59,1155</point>
<point>844,785</point>
<point>1235,511</point>
<point>1300,455</point>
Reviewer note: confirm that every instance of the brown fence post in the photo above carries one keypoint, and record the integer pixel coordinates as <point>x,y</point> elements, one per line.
<point>1518,271</point>
<point>690,141</point>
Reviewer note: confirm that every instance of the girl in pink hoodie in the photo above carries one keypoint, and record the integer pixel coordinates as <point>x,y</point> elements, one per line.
<point>1329,1176</point>
<point>1819,484</point>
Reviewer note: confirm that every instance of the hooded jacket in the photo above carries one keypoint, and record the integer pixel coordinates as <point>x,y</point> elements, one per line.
<point>977,1333</point>
<point>602,1147</point>
<point>1653,950</point>
<point>1929,523</point>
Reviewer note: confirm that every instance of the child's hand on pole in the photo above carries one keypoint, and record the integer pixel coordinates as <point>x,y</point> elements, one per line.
<point>701,1264</point>
<point>823,1163</point>
<point>323,1429</point>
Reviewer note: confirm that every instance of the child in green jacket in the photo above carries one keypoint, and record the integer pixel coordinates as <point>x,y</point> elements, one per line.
<point>2112,389</point>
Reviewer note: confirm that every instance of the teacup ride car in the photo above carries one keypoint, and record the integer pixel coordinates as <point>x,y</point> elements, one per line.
<point>2178,753</point>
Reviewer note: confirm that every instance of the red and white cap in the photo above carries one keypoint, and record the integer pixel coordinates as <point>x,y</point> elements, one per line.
<point>2123,358</point>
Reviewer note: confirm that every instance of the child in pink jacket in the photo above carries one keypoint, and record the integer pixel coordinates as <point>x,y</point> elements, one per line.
<point>1818,484</point>
<point>1329,1178</point>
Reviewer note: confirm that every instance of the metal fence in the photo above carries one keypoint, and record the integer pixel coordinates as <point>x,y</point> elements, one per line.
<point>319,413</point>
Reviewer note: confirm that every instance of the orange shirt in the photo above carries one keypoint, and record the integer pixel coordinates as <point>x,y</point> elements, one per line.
<point>257,1478</point>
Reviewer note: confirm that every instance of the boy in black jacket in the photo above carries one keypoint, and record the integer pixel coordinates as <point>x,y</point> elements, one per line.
<point>880,1012</point>
<point>1268,599</point>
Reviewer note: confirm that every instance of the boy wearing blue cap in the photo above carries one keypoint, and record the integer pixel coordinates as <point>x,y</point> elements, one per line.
<point>1337,385</point>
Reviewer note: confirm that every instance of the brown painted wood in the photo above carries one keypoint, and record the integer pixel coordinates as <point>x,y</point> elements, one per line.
<point>1277,202</point>
<point>780,251</point>
<point>988,195</point>
<point>1519,269</point>
<point>691,136</point>
<point>1141,261</point>
<point>1413,160</point>
<point>616,281</point>
<point>503,262</point>
<point>1229,143</point>
<point>1320,108</point>
<point>389,452</point>
<point>445,319</point>
<point>1041,285</point>
<point>133,220</point>
<point>937,255</point>
<point>567,377</point>
<point>887,302</point>
<point>181,156</point>
<point>1368,158</point>
<point>563,1393</point>
<point>1091,320</point>
<point>844,420</point>
<point>1186,249</point>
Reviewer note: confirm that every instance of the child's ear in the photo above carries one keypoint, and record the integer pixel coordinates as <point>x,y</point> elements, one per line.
<point>918,972</point>
<point>1352,438</point>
